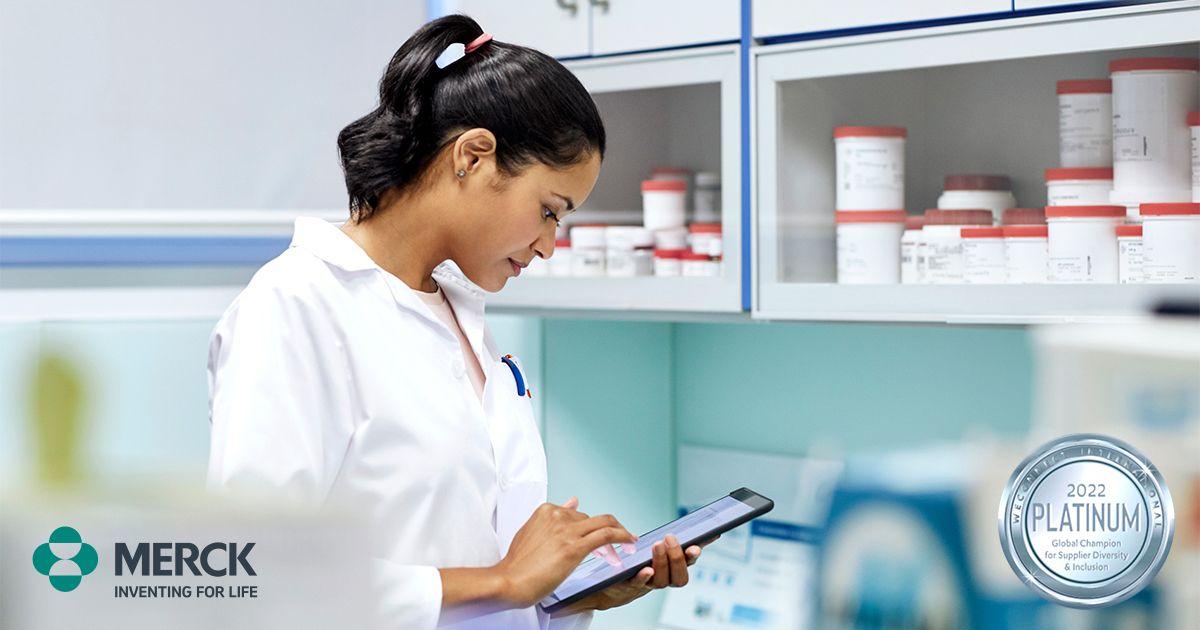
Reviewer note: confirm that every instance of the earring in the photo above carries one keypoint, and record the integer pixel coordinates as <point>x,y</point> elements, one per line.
<point>461,173</point>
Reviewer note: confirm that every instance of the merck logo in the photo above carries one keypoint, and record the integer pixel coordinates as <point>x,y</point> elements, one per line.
<point>65,559</point>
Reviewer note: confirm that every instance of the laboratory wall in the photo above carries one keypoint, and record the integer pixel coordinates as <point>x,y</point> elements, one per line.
<point>616,399</point>
<point>188,104</point>
<point>884,419</point>
<point>144,105</point>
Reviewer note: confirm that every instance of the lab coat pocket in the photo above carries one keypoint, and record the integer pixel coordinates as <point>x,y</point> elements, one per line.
<point>520,456</point>
<point>515,505</point>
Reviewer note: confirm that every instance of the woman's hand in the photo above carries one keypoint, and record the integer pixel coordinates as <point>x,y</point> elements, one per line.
<point>668,567</point>
<point>549,546</point>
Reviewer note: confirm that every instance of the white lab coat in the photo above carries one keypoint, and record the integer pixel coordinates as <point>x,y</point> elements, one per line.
<point>330,381</point>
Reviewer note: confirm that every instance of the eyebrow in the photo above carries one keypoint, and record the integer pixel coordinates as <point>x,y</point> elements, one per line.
<point>570,204</point>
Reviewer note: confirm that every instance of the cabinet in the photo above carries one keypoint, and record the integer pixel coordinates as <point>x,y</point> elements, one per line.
<point>783,17</point>
<point>973,100</point>
<point>623,25</point>
<point>677,108</point>
<point>559,28</point>
<point>579,28</point>
<point>823,18</point>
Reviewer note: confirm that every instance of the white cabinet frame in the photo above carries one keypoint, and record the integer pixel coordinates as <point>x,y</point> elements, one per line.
<point>772,298</point>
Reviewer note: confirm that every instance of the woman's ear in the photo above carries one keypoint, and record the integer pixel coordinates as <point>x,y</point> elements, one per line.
<point>474,149</point>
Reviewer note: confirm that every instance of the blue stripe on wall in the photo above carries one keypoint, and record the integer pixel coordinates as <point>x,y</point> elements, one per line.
<point>47,251</point>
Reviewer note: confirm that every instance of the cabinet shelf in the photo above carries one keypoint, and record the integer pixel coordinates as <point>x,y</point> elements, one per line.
<point>973,304</point>
<point>608,294</point>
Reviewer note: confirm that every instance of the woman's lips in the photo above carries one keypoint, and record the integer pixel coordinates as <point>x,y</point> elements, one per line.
<point>516,267</point>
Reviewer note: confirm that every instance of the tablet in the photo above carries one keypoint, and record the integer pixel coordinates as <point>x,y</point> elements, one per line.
<point>718,517</point>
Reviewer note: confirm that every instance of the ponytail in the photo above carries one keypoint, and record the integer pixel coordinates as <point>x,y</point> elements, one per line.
<point>537,109</point>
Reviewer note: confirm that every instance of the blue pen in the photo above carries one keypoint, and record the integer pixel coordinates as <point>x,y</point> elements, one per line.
<point>512,365</point>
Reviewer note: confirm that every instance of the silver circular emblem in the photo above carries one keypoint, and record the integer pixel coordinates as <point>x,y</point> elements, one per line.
<point>1086,520</point>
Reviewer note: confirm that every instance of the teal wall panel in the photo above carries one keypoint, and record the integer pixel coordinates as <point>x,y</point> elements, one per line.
<point>609,430</point>
<point>784,387</point>
<point>608,418</point>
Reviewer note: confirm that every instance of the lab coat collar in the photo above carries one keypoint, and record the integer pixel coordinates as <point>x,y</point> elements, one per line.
<point>327,242</point>
<point>467,300</point>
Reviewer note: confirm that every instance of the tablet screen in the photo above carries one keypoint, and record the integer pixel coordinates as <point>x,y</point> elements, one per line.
<point>688,527</point>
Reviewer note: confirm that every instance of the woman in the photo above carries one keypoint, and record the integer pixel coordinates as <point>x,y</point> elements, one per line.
<point>356,367</point>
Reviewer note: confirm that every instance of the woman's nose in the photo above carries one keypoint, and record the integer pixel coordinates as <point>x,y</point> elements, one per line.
<point>544,246</point>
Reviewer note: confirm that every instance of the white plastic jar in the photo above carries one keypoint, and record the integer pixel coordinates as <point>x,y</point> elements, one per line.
<point>1078,186</point>
<point>983,255</point>
<point>1129,254</point>
<point>641,263</point>
<point>942,242</point>
<point>1171,242</point>
<point>1193,121</point>
<point>698,265</point>
<point>869,167</point>
<point>619,236</point>
<point>630,251</point>
<point>676,173</point>
<point>668,262</point>
<point>1151,144</point>
<point>706,199</point>
<point>1025,254</point>
<point>643,252</point>
<point>1083,243</point>
<point>910,245</point>
<point>663,203</point>
<point>561,260</point>
<point>588,255</point>
<point>868,246</point>
<point>1085,123</point>
<point>673,238</point>
<point>705,238</point>
<point>965,192</point>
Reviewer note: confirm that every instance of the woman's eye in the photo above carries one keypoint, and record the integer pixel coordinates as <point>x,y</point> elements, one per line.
<point>549,214</point>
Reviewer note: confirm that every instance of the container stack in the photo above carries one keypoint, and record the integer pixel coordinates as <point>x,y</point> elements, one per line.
<point>665,244</point>
<point>870,215</point>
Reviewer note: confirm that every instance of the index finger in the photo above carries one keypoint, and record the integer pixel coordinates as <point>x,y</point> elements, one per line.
<point>590,524</point>
<point>605,550</point>
<point>600,537</point>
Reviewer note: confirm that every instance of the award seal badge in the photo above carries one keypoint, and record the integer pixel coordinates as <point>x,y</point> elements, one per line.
<point>1086,521</point>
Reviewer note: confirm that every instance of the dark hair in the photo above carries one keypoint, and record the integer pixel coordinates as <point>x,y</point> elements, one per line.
<point>535,107</point>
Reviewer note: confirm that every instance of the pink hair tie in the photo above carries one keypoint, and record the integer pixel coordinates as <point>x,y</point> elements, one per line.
<point>477,42</point>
